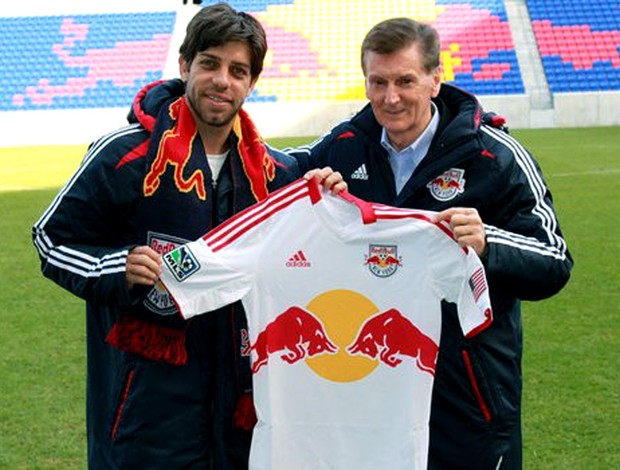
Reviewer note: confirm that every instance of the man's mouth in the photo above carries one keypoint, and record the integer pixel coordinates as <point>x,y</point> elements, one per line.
<point>217,99</point>
<point>394,112</point>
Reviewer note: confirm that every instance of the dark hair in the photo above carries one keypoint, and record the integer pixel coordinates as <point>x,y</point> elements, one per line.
<point>395,34</point>
<point>219,24</point>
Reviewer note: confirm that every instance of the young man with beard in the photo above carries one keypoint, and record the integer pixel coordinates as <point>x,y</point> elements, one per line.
<point>163,392</point>
<point>427,145</point>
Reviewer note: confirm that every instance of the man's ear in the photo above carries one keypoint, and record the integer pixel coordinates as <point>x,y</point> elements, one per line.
<point>183,68</point>
<point>251,89</point>
<point>436,81</point>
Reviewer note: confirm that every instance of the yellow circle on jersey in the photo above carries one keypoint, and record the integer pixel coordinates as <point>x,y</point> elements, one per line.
<point>342,312</point>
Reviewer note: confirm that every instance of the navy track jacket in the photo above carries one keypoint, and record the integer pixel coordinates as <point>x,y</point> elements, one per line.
<point>477,395</point>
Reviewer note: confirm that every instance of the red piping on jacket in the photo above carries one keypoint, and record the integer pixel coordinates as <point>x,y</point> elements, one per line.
<point>472,378</point>
<point>121,406</point>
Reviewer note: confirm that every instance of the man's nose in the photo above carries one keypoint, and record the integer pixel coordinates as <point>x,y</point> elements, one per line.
<point>391,94</point>
<point>221,78</point>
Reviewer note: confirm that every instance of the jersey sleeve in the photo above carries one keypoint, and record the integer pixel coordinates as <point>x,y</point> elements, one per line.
<point>461,279</point>
<point>200,280</point>
<point>474,303</point>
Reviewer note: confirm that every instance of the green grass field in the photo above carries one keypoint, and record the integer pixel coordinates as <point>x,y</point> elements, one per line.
<point>572,341</point>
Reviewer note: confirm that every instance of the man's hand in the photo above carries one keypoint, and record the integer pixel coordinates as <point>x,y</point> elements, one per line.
<point>467,227</point>
<point>143,266</point>
<point>329,178</point>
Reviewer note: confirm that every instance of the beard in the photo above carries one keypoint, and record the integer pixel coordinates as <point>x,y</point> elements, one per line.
<point>210,118</point>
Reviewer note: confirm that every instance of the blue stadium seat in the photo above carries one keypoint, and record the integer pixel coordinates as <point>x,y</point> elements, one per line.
<point>81,61</point>
<point>579,43</point>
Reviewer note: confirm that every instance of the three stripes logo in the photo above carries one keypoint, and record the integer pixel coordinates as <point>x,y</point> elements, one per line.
<point>360,173</point>
<point>298,260</point>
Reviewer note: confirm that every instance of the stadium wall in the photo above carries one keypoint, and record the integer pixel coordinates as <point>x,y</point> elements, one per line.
<point>274,118</point>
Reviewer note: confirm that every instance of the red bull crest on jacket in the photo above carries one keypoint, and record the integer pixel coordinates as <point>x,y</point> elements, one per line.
<point>448,185</point>
<point>158,300</point>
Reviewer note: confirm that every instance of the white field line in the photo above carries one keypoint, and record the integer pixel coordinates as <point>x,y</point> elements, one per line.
<point>605,171</point>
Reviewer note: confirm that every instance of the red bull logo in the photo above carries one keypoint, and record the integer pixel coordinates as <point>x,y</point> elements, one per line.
<point>383,260</point>
<point>310,53</point>
<point>175,149</point>
<point>163,244</point>
<point>448,185</point>
<point>342,338</point>
<point>297,333</point>
<point>390,335</point>
<point>122,65</point>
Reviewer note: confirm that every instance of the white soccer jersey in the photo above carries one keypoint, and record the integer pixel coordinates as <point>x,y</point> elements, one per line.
<point>344,316</point>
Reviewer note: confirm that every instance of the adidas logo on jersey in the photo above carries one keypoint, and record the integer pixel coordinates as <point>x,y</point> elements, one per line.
<point>360,173</point>
<point>298,260</point>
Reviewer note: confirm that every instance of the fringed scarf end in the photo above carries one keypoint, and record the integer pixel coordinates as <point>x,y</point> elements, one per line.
<point>151,341</point>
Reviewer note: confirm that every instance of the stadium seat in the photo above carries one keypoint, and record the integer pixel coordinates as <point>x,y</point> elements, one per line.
<point>579,43</point>
<point>81,61</point>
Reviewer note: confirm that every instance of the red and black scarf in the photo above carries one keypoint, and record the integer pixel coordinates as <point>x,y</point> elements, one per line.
<point>176,202</point>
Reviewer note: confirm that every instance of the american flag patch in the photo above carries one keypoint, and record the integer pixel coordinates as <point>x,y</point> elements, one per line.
<point>478,283</point>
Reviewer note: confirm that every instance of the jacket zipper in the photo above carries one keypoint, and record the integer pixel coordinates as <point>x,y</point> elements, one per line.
<point>121,405</point>
<point>474,383</point>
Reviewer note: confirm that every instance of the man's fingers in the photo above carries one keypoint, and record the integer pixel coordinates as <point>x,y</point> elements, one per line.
<point>143,266</point>
<point>466,226</point>
<point>335,183</point>
<point>141,273</point>
<point>318,173</point>
<point>445,215</point>
<point>459,212</point>
<point>328,178</point>
<point>145,261</point>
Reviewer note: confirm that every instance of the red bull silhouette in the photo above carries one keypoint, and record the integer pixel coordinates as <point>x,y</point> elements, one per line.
<point>175,150</point>
<point>282,63</point>
<point>123,64</point>
<point>297,332</point>
<point>390,334</point>
<point>445,184</point>
<point>374,259</point>
<point>463,47</point>
<point>391,261</point>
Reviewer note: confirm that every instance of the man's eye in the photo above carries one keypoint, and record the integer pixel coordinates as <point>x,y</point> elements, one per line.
<point>239,71</point>
<point>209,64</point>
